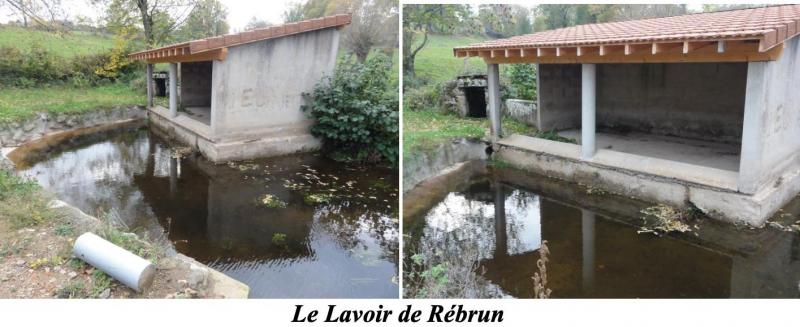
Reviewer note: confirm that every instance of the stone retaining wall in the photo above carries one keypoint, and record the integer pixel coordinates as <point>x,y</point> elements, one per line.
<point>18,132</point>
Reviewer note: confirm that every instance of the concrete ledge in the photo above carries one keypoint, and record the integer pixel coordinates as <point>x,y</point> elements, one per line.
<point>198,136</point>
<point>688,173</point>
<point>720,203</point>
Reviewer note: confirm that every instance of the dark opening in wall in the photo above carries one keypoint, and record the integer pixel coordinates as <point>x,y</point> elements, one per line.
<point>476,101</point>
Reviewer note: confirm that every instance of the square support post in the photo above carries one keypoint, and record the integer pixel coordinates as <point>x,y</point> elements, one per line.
<point>588,110</point>
<point>149,80</point>
<point>173,89</point>
<point>755,101</point>
<point>493,72</point>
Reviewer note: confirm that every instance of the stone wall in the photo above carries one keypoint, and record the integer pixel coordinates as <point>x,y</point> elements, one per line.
<point>522,110</point>
<point>18,132</point>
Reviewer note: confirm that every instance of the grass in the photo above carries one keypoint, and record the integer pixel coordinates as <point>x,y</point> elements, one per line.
<point>424,129</point>
<point>19,104</point>
<point>66,45</point>
<point>22,202</point>
<point>436,63</point>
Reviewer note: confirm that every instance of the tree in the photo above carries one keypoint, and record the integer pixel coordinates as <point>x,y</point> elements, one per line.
<point>374,23</point>
<point>255,23</point>
<point>207,18</point>
<point>424,19</point>
<point>157,19</point>
<point>35,11</point>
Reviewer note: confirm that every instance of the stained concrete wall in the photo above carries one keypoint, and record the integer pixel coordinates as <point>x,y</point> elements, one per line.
<point>258,88</point>
<point>771,141</point>
<point>696,100</point>
<point>196,84</point>
<point>559,97</point>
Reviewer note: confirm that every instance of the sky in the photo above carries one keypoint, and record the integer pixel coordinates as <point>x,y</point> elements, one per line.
<point>239,11</point>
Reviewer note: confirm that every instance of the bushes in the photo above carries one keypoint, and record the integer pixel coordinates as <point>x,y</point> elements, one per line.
<point>356,111</point>
<point>522,80</point>
<point>38,66</point>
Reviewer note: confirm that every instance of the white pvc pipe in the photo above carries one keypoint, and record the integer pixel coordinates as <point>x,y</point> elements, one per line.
<point>126,267</point>
<point>588,110</point>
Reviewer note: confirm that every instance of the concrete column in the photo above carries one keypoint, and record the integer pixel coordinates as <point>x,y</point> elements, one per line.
<point>500,233</point>
<point>755,100</point>
<point>538,97</point>
<point>149,80</point>
<point>587,241</point>
<point>173,89</point>
<point>493,72</point>
<point>588,110</point>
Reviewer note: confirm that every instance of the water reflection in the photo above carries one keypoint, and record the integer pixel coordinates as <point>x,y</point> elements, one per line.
<point>595,249</point>
<point>343,247</point>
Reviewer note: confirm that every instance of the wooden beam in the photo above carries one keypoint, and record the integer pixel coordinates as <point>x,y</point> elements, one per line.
<point>216,54</point>
<point>736,51</point>
<point>662,48</point>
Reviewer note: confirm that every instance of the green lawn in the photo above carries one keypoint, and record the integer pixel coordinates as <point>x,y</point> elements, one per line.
<point>66,45</point>
<point>436,63</point>
<point>16,104</point>
<point>424,129</point>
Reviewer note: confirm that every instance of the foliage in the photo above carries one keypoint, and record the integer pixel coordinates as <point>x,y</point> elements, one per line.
<point>436,64</point>
<point>100,282</point>
<point>207,18</point>
<point>272,201</point>
<point>522,78</point>
<point>425,19</point>
<point>73,290</point>
<point>21,202</point>
<point>553,136</point>
<point>374,23</point>
<point>117,61</point>
<point>423,97</point>
<point>279,239</point>
<point>356,111</point>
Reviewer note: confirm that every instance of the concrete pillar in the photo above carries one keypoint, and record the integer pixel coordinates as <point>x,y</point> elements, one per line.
<point>149,80</point>
<point>538,97</point>
<point>493,72</point>
<point>173,89</point>
<point>755,100</point>
<point>588,110</point>
<point>587,241</point>
<point>500,230</point>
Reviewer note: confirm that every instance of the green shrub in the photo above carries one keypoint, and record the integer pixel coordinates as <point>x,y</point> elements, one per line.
<point>522,80</point>
<point>424,97</point>
<point>356,111</point>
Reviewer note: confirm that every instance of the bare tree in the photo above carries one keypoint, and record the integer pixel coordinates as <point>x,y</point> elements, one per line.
<point>374,23</point>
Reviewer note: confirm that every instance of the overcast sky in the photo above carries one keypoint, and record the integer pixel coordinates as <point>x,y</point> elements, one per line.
<point>239,11</point>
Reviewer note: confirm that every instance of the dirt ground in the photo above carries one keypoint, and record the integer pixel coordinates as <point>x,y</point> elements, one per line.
<point>37,262</point>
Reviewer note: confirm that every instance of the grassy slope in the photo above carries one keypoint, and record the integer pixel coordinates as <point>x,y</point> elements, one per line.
<point>426,128</point>
<point>16,104</point>
<point>68,45</point>
<point>436,62</point>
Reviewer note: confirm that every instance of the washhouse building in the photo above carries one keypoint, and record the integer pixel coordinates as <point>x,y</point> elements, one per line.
<point>239,96</point>
<point>695,110</point>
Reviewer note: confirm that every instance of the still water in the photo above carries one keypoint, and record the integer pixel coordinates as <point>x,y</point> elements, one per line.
<point>333,234</point>
<point>496,220</point>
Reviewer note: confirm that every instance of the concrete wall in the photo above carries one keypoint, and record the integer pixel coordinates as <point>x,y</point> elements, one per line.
<point>258,88</point>
<point>196,84</point>
<point>559,97</point>
<point>696,100</point>
<point>771,141</point>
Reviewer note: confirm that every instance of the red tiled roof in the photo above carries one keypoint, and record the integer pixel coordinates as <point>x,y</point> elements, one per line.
<point>771,25</point>
<point>224,41</point>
